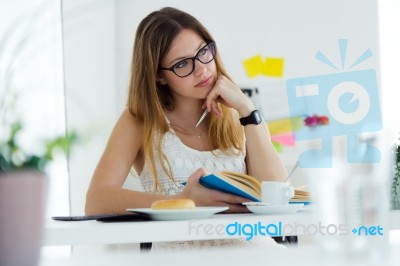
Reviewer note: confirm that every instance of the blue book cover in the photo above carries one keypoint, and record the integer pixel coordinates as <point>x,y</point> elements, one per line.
<point>229,184</point>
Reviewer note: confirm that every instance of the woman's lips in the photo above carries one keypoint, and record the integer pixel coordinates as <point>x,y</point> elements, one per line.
<point>205,82</point>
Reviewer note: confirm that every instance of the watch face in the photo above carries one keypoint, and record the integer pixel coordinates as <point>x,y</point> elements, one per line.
<point>257,116</point>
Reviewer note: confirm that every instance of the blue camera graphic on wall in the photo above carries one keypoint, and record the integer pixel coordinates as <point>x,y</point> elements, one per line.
<point>351,102</point>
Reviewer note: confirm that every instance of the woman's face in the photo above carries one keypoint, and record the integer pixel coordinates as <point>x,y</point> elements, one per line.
<point>199,83</point>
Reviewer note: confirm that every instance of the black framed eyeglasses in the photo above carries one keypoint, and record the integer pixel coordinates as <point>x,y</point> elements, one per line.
<point>186,66</point>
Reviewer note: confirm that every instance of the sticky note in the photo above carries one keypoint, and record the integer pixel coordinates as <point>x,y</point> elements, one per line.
<point>284,139</point>
<point>287,125</point>
<point>273,67</point>
<point>254,66</point>
<point>278,147</point>
<point>270,66</point>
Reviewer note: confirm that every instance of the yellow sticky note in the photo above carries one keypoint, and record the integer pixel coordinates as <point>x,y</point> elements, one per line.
<point>278,127</point>
<point>284,126</point>
<point>273,67</point>
<point>254,66</point>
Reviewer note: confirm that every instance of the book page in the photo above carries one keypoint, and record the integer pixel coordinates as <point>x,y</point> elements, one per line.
<point>243,178</point>
<point>238,183</point>
<point>246,183</point>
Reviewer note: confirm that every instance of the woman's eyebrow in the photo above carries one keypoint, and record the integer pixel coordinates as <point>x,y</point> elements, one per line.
<point>184,57</point>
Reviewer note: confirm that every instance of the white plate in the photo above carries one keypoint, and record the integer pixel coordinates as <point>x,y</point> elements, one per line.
<point>173,215</point>
<point>265,208</point>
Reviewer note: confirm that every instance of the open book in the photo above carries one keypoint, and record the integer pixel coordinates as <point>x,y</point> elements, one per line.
<point>245,186</point>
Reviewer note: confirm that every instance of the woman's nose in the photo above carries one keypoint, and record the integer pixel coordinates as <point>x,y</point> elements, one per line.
<point>199,68</point>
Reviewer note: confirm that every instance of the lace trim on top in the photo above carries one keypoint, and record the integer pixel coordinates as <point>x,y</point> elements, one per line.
<point>184,161</point>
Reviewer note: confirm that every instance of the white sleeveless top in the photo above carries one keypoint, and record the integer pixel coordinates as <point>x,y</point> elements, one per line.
<point>184,161</point>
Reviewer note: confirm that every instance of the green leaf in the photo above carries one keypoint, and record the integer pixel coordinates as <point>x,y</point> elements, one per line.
<point>13,157</point>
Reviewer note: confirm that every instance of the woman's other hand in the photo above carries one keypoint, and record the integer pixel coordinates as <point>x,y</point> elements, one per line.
<point>203,196</point>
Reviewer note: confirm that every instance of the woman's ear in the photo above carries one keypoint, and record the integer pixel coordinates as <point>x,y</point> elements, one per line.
<point>161,80</point>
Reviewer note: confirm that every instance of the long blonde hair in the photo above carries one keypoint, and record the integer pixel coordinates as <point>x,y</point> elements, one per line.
<point>147,98</point>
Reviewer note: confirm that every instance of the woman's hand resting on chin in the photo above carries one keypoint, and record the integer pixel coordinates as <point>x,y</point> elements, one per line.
<point>229,94</point>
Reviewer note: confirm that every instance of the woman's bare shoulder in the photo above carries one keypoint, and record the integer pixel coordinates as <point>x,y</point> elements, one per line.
<point>128,119</point>
<point>128,126</point>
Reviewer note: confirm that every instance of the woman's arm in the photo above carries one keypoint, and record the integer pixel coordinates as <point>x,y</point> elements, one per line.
<point>105,193</point>
<point>262,160</point>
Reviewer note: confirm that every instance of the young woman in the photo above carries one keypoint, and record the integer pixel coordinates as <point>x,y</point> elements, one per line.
<point>176,74</point>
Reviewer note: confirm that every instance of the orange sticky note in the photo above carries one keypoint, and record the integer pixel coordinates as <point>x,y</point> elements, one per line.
<point>273,67</point>
<point>254,66</point>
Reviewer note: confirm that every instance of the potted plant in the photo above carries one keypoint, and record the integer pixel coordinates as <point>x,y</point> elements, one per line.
<point>30,43</point>
<point>23,191</point>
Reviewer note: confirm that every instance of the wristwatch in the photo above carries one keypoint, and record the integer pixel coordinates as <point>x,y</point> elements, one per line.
<point>254,118</point>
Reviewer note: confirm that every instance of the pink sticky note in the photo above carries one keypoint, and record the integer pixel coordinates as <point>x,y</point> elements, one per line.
<point>284,139</point>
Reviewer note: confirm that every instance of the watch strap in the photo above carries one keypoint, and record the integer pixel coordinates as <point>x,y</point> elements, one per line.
<point>253,119</point>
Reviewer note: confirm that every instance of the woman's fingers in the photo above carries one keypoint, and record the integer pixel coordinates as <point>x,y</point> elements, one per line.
<point>211,101</point>
<point>236,208</point>
<point>197,174</point>
<point>215,108</point>
<point>232,201</point>
<point>210,197</point>
<point>228,94</point>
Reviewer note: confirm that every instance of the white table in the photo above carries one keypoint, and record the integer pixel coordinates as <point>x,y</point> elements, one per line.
<point>93,232</point>
<point>309,256</point>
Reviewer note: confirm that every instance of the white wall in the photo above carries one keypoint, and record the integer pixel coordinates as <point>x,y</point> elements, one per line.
<point>89,56</point>
<point>294,30</point>
<point>389,25</point>
<point>97,69</point>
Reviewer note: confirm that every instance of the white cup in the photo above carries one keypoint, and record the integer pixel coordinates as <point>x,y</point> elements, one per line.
<point>276,193</point>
